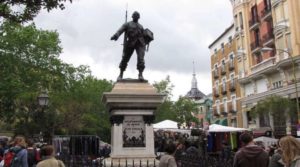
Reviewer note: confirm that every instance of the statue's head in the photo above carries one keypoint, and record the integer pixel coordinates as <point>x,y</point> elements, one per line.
<point>135,15</point>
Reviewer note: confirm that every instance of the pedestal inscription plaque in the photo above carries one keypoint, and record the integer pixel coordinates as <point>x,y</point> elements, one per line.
<point>133,131</point>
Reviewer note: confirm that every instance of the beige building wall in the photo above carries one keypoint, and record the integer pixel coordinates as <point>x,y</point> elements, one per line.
<point>274,74</point>
<point>226,91</point>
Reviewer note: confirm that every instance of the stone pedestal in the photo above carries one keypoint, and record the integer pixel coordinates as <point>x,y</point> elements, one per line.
<point>131,104</point>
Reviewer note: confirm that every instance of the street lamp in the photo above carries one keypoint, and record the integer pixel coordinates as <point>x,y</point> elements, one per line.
<point>295,80</point>
<point>43,98</point>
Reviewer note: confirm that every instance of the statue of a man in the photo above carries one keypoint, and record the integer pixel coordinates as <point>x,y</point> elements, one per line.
<point>134,40</point>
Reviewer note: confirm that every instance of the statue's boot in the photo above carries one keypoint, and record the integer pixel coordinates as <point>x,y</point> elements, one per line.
<point>141,78</point>
<point>120,77</point>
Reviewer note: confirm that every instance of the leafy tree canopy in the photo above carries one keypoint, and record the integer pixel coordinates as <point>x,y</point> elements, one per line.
<point>25,10</point>
<point>30,62</point>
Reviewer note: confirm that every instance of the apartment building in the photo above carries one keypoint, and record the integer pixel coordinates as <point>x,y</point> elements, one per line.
<point>268,47</point>
<point>226,91</point>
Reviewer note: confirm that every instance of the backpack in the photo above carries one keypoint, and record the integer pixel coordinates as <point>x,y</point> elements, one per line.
<point>10,157</point>
<point>32,157</point>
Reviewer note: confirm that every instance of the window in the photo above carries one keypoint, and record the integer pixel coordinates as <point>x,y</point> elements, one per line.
<point>233,99</point>
<point>276,85</point>
<point>222,47</point>
<point>218,107</point>
<point>225,105</point>
<point>254,13</point>
<point>224,85</point>
<point>257,37</point>
<point>267,4</point>
<point>241,20</point>
<point>236,22</point>
<point>216,51</point>
<point>230,39</point>
<point>258,58</point>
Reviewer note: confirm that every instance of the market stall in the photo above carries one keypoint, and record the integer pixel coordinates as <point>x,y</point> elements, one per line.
<point>218,134</point>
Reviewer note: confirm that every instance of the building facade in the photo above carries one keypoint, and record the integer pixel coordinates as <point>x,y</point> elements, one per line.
<point>226,90</point>
<point>268,47</point>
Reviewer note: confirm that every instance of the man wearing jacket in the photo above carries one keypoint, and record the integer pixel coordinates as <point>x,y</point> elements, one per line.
<point>250,155</point>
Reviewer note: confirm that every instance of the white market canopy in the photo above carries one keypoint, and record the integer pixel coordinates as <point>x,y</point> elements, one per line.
<point>266,140</point>
<point>220,128</point>
<point>166,124</point>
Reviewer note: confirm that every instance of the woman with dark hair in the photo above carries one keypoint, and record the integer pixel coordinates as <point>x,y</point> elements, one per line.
<point>168,159</point>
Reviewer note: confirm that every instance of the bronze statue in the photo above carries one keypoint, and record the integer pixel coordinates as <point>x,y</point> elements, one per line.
<point>136,38</point>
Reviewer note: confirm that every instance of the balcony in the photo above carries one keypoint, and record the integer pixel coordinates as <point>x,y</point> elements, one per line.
<point>223,70</point>
<point>232,85</point>
<point>266,13</point>
<point>224,90</point>
<point>263,65</point>
<point>254,23</point>
<point>216,74</point>
<point>256,46</point>
<point>268,38</point>
<point>231,65</point>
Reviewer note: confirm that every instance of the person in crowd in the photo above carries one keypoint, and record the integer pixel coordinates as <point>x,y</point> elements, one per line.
<point>33,156</point>
<point>48,156</point>
<point>168,159</point>
<point>226,151</point>
<point>18,147</point>
<point>276,159</point>
<point>180,151</point>
<point>192,148</point>
<point>3,148</point>
<point>250,155</point>
<point>290,151</point>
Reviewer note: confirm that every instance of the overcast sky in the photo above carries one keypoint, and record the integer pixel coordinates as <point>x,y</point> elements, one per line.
<point>182,29</point>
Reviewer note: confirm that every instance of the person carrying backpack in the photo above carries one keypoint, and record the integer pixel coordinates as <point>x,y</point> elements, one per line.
<point>16,156</point>
<point>33,156</point>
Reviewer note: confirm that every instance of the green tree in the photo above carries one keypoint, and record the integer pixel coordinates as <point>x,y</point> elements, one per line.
<point>278,107</point>
<point>30,62</point>
<point>83,112</point>
<point>165,111</point>
<point>185,108</point>
<point>26,10</point>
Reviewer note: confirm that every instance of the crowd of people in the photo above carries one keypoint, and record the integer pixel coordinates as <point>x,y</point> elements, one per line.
<point>286,153</point>
<point>19,152</point>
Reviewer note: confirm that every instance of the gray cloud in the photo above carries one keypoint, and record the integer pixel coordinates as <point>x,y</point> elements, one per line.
<point>183,30</point>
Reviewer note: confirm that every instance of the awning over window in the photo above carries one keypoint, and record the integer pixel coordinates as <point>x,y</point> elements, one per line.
<point>217,121</point>
<point>224,122</point>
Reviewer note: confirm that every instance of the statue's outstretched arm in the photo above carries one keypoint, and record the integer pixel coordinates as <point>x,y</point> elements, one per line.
<point>119,32</point>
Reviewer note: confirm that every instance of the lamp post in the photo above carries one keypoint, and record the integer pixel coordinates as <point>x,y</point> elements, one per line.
<point>295,81</point>
<point>43,100</point>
